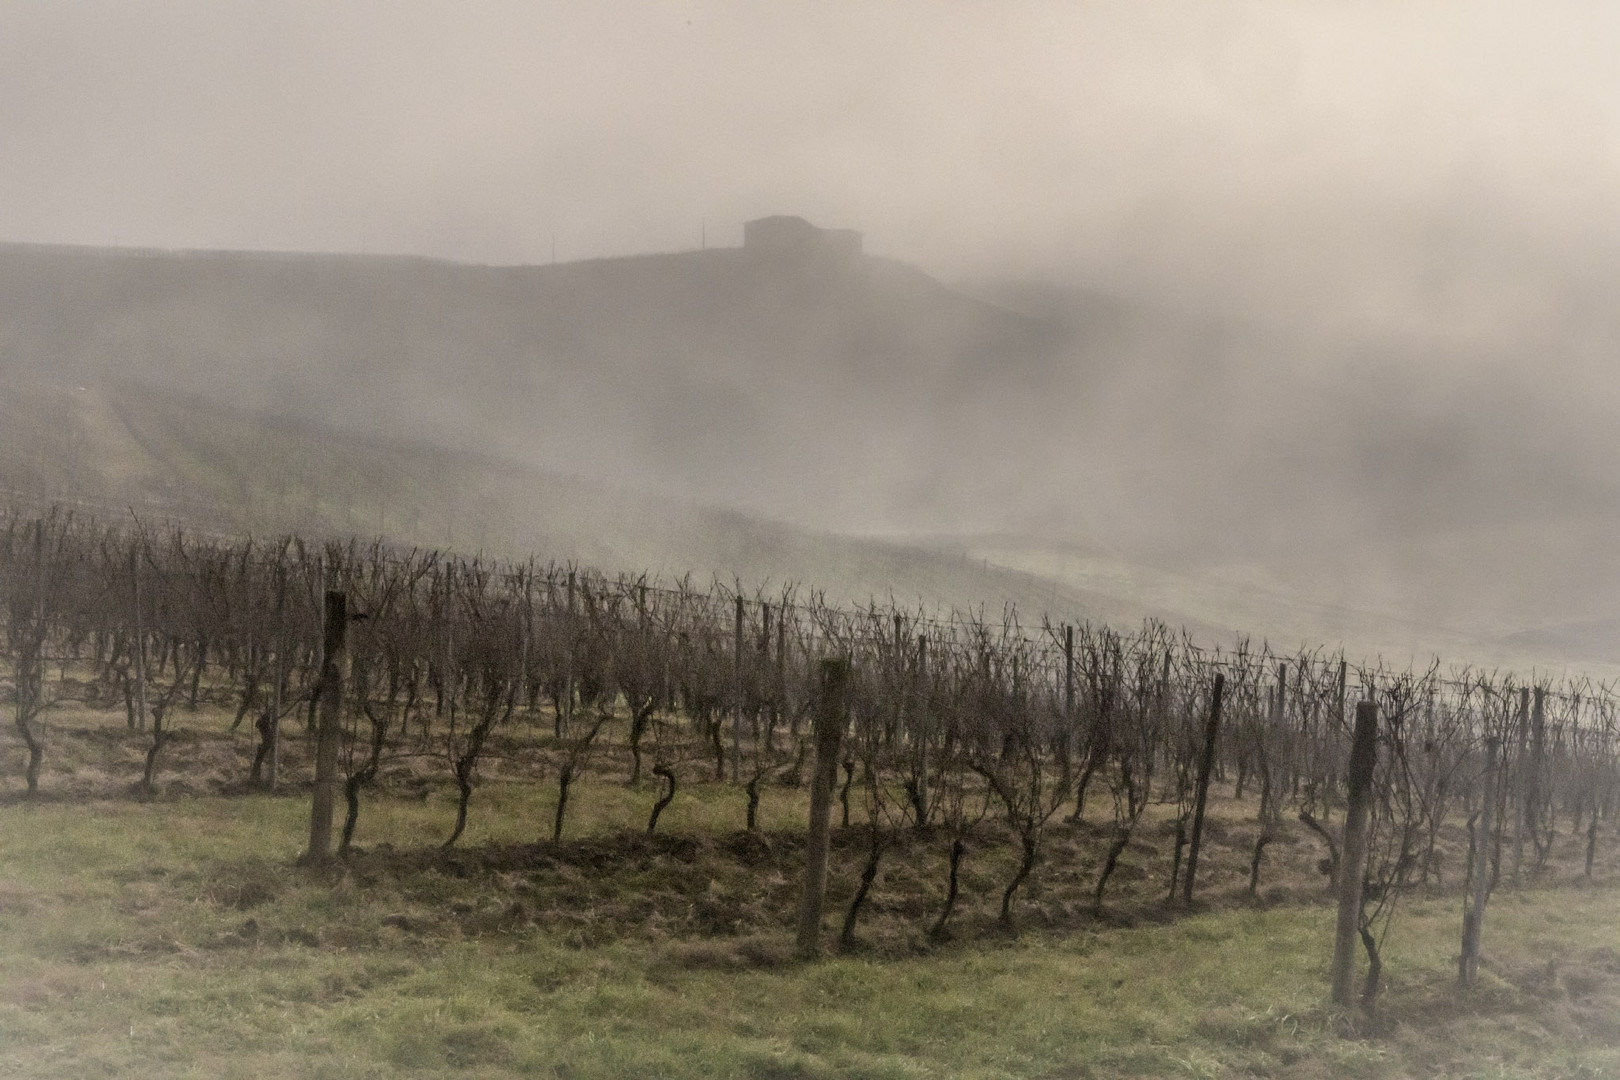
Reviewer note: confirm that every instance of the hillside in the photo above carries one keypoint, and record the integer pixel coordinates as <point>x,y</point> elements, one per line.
<point>586,409</point>
<point>112,449</point>
<point>706,374</point>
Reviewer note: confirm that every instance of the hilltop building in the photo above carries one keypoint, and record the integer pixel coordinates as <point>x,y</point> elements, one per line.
<point>785,234</point>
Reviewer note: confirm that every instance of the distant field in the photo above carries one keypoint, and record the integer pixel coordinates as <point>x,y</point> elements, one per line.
<point>174,937</point>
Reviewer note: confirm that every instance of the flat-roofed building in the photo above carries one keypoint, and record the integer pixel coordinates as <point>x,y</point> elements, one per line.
<point>787,234</point>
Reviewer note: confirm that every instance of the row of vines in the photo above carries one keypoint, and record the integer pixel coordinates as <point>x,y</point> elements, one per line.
<point>951,721</point>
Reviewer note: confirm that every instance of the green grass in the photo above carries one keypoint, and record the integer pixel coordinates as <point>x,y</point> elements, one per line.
<point>175,938</point>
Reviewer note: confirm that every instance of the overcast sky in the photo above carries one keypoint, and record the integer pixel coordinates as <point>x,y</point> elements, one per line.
<point>1437,163</point>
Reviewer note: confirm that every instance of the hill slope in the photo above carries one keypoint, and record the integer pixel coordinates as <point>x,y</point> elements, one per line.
<point>707,374</point>
<point>112,449</point>
<point>1401,476</point>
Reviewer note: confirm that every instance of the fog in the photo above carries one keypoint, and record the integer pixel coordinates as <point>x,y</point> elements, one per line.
<point>1322,287</point>
<point>1390,162</point>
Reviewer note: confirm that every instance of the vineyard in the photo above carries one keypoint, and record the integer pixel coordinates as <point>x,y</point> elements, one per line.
<point>954,729</point>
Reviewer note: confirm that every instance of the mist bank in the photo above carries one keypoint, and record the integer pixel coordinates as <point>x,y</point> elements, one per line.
<point>1402,471</point>
<point>122,451</point>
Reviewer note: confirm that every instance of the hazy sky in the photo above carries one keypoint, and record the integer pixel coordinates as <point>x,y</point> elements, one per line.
<point>1424,163</point>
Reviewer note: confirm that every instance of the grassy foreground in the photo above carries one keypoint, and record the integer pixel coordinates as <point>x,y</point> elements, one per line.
<point>174,938</point>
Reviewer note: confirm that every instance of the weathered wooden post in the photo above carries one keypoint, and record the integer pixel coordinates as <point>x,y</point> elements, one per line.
<point>769,706</point>
<point>1474,916</point>
<point>138,654</point>
<point>737,695</point>
<point>326,738</point>
<point>28,674</point>
<point>921,728</point>
<point>526,638</point>
<point>828,733</point>
<point>565,716</point>
<point>1161,699</point>
<point>1363,759</point>
<point>781,672</point>
<point>1269,786</point>
<point>1206,763</point>
<point>1338,725</point>
<point>1068,696</point>
<point>279,675</point>
<point>899,715</point>
<point>1520,780</point>
<point>1534,808</point>
<point>447,640</point>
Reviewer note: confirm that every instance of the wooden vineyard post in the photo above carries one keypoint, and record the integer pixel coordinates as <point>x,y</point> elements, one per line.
<point>28,667</point>
<point>1533,779</point>
<point>921,724</point>
<point>279,675</point>
<point>781,671</point>
<point>900,718</point>
<point>737,696</point>
<point>526,630</point>
<point>1520,780</point>
<point>1206,763</point>
<point>1338,726</point>
<point>767,700</point>
<point>1474,916</point>
<point>326,737</point>
<point>1363,759</point>
<point>1268,786</point>
<point>1068,696</point>
<point>565,717</point>
<point>138,654</point>
<point>829,735</point>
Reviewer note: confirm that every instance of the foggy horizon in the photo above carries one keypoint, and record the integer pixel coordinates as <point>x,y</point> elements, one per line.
<point>1404,165</point>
